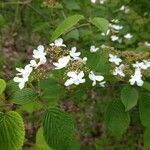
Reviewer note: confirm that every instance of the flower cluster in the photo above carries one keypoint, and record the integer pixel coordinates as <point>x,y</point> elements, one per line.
<point>39,59</point>
<point>139,66</point>
<point>76,69</point>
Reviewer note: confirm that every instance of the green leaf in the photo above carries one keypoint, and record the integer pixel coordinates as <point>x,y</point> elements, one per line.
<point>2,86</point>
<point>129,97</point>
<point>147,139</point>
<point>67,24</point>
<point>146,85</point>
<point>117,120</point>
<point>24,96</point>
<point>11,131</point>
<point>144,109</point>
<point>2,21</point>
<point>40,141</point>
<point>101,23</point>
<point>59,130</point>
<point>51,90</point>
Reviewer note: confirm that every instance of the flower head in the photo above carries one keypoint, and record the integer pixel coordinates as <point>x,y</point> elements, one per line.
<point>75,78</point>
<point>39,54</point>
<point>58,43</point>
<point>128,36</point>
<point>136,78</point>
<point>115,59</point>
<point>93,49</point>
<point>62,62</point>
<point>119,71</point>
<point>95,78</point>
<point>73,54</point>
<point>114,38</point>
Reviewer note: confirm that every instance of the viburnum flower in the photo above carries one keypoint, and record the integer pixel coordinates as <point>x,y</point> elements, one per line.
<point>73,54</point>
<point>21,81</point>
<point>23,75</point>
<point>93,49</point>
<point>128,36</point>
<point>102,84</point>
<point>24,72</point>
<point>75,78</point>
<point>95,78</point>
<point>93,1</point>
<point>58,43</point>
<point>119,70</point>
<point>147,43</point>
<point>146,63</point>
<point>137,78</point>
<point>115,20</point>
<point>114,38</point>
<point>33,63</point>
<point>39,54</point>
<point>62,62</point>
<point>124,8</point>
<point>102,1</point>
<point>139,65</point>
<point>114,59</point>
<point>116,27</point>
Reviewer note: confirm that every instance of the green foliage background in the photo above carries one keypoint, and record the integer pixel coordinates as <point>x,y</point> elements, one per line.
<point>86,118</point>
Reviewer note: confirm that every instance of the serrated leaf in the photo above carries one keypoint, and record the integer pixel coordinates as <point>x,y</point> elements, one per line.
<point>11,131</point>
<point>40,141</point>
<point>129,97</point>
<point>147,139</point>
<point>117,120</point>
<point>144,109</point>
<point>67,24</point>
<point>51,90</point>
<point>101,23</point>
<point>59,130</point>
<point>24,96</point>
<point>2,86</point>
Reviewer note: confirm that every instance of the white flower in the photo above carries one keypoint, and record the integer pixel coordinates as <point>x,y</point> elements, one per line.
<point>83,60</point>
<point>107,32</point>
<point>62,62</point>
<point>139,65</point>
<point>75,78</point>
<point>95,78</point>
<point>33,63</point>
<point>115,20</point>
<point>24,72</point>
<point>147,43</point>
<point>58,43</point>
<point>93,49</point>
<point>39,54</point>
<point>119,71</point>
<point>102,1</point>
<point>124,8</point>
<point>136,78</point>
<point>102,84</point>
<point>114,38</point>
<point>115,59</point>
<point>142,65</point>
<point>128,36</point>
<point>146,63</point>
<point>21,81</point>
<point>23,75</point>
<point>116,27</point>
<point>73,54</point>
<point>93,1</point>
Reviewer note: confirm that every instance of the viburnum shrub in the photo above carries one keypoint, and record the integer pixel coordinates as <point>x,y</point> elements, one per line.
<point>57,71</point>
